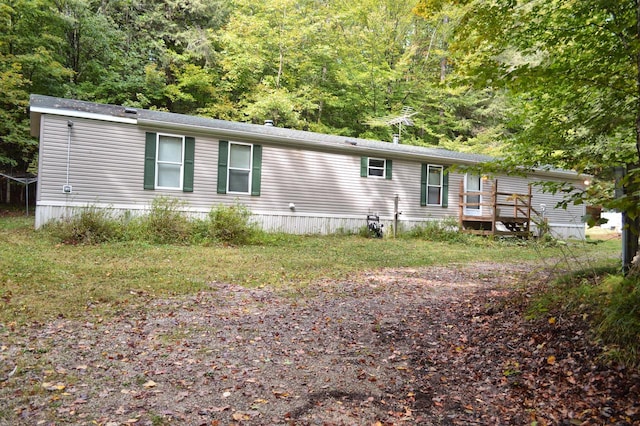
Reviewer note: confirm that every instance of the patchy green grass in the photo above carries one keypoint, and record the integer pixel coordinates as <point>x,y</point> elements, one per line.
<point>41,280</point>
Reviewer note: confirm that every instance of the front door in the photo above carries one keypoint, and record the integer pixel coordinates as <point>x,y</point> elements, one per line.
<point>473,191</point>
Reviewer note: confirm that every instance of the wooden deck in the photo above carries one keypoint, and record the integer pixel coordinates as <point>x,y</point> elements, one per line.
<point>502,213</point>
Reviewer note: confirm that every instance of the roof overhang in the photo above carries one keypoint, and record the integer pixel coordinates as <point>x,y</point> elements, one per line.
<point>36,112</point>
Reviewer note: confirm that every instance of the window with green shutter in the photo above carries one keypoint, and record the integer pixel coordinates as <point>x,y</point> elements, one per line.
<point>375,167</point>
<point>239,168</point>
<point>169,162</point>
<point>434,186</point>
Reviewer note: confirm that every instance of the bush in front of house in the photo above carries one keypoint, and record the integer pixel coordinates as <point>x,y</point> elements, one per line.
<point>446,230</point>
<point>231,224</point>
<point>166,222</point>
<point>91,226</point>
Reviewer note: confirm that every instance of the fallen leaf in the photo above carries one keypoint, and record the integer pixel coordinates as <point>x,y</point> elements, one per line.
<point>150,384</point>
<point>551,360</point>
<point>240,416</point>
<point>53,386</point>
<point>552,320</point>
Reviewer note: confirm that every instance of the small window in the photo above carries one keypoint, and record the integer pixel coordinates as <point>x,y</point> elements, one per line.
<point>240,156</point>
<point>434,185</point>
<point>376,167</point>
<point>169,162</point>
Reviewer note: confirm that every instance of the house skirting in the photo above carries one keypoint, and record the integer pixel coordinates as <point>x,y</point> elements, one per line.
<point>288,222</point>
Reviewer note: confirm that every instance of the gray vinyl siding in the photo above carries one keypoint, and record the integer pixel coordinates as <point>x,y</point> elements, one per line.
<point>107,167</point>
<point>518,184</point>
<point>104,161</point>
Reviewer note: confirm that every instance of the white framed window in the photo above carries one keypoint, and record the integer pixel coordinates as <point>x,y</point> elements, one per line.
<point>240,168</point>
<point>434,185</point>
<point>376,167</point>
<point>169,161</point>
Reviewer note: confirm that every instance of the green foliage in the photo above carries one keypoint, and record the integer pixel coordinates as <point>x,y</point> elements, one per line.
<point>619,325</point>
<point>166,223</point>
<point>322,66</point>
<point>231,224</point>
<point>446,230</point>
<point>570,69</point>
<point>90,226</point>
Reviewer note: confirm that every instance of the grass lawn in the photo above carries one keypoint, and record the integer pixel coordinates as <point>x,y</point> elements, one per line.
<point>41,280</point>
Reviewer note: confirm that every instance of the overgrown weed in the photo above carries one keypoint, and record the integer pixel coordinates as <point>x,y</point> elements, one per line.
<point>446,230</point>
<point>166,223</point>
<point>91,226</point>
<point>231,224</point>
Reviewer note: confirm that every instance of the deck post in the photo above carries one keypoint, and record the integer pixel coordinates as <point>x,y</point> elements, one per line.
<point>461,205</point>
<point>529,212</point>
<point>494,197</point>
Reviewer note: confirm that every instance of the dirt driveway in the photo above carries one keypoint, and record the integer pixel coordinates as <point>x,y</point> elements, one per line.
<point>410,346</point>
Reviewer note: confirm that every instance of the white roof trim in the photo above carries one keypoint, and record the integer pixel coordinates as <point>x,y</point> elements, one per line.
<point>82,114</point>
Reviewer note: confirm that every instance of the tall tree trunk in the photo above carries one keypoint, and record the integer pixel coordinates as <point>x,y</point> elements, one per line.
<point>631,219</point>
<point>443,60</point>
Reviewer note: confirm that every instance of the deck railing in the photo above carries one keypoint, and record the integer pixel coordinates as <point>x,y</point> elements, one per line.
<point>496,206</point>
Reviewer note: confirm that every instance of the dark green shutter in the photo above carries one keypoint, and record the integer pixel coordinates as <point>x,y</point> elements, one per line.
<point>445,187</point>
<point>387,172</point>
<point>423,186</point>
<point>256,172</point>
<point>150,161</point>
<point>189,156</point>
<point>223,156</point>
<point>364,166</point>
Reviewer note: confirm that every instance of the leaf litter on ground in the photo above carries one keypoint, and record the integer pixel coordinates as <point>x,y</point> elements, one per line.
<point>434,345</point>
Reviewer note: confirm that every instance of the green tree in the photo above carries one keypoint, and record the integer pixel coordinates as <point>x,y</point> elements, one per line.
<point>573,67</point>
<point>454,113</point>
<point>29,63</point>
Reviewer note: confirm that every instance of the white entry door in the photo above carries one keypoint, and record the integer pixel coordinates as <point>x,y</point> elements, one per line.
<point>473,191</point>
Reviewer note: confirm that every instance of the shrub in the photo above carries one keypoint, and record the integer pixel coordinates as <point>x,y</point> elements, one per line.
<point>231,224</point>
<point>437,230</point>
<point>166,223</point>
<point>620,322</point>
<point>91,226</point>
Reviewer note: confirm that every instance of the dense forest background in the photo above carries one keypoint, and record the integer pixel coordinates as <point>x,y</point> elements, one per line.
<point>321,65</point>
